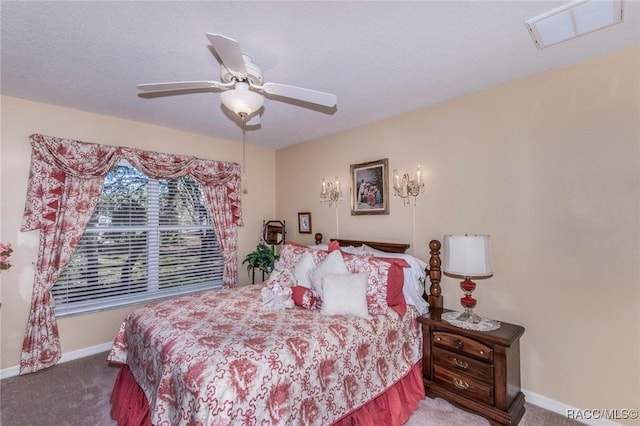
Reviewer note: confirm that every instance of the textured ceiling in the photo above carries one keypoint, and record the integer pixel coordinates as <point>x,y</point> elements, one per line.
<point>380,58</point>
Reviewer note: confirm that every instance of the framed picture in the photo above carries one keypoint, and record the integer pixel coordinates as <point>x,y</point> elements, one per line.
<point>370,187</point>
<point>304,223</point>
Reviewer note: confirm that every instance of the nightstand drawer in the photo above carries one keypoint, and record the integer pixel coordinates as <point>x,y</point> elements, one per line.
<point>463,344</point>
<point>464,385</point>
<point>456,362</point>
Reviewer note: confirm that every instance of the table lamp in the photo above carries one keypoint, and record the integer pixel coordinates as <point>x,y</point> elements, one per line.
<point>468,256</point>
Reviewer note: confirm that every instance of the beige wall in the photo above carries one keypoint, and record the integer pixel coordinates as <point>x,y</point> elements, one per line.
<point>22,118</point>
<point>549,166</point>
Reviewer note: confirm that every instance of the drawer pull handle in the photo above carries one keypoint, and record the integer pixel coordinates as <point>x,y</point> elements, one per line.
<point>460,384</point>
<point>459,344</point>
<point>460,364</point>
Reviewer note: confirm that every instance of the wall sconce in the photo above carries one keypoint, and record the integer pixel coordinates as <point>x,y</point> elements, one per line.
<point>407,187</point>
<point>331,192</point>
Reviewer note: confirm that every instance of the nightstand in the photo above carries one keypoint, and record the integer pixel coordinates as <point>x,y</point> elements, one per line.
<point>476,370</point>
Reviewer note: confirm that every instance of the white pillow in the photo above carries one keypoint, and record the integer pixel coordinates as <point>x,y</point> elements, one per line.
<point>370,249</point>
<point>303,268</point>
<point>352,250</point>
<point>345,294</point>
<point>332,264</point>
<point>414,262</point>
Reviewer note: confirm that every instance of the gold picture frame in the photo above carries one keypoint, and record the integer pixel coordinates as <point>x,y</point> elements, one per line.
<point>370,188</point>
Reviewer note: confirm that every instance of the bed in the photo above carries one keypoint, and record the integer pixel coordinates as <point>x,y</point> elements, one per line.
<point>245,356</point>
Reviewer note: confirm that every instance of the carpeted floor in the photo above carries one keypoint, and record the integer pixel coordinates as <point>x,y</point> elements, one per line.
<point>73,393</point>
<point>438,412</point>
<point>76,393</point>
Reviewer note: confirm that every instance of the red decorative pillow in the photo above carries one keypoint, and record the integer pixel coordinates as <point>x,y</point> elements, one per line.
<point>305,298</point>
<point>334,245</point>
<point>395,282</point>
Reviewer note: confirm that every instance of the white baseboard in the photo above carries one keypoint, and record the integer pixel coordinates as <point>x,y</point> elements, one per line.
<point>562,409</point>
<point>69,356</point>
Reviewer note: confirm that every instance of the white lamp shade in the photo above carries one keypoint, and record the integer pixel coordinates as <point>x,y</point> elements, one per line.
<point>241,100</point>
<point>467,255</point>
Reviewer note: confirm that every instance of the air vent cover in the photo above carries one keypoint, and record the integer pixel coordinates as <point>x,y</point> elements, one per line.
<point>573,20</point>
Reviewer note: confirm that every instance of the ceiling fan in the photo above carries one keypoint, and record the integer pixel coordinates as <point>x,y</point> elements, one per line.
<point>242,84</point>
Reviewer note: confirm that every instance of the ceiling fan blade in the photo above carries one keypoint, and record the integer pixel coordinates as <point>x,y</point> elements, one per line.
<point>254,120</point>
<point>306,95</point>
<point>229,52</point>
<point>182,85</point>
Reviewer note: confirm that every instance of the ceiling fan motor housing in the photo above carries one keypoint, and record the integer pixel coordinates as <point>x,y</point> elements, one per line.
<point>253,71</point>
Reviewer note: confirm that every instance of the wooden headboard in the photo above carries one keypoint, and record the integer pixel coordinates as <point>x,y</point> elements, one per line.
<point>434,296</point>
<point>386,247</point>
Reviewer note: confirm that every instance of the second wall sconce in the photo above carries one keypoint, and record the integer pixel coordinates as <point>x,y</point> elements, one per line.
<point>331,192</point>
<point>407,188</point>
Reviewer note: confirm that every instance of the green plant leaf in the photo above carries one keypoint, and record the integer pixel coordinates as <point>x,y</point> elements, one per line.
<point>263,257</point>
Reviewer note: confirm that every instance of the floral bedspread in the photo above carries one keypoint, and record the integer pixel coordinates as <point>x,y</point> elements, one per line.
<point>220,358</point>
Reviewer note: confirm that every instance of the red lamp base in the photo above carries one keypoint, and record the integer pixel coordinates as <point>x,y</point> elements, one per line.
<point>468,302</point>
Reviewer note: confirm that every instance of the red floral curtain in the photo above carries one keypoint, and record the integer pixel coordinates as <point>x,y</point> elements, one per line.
<point>65,184</point>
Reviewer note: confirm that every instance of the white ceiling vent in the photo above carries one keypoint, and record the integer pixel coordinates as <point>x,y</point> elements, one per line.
<point>575,19</point>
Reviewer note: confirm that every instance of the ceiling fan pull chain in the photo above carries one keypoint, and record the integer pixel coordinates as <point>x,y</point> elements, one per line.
<point>243,176</point>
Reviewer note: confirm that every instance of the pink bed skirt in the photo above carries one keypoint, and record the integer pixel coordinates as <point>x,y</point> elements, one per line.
<point>392,408</point>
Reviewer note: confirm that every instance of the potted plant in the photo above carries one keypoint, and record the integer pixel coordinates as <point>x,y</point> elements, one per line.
<point>263,257</point>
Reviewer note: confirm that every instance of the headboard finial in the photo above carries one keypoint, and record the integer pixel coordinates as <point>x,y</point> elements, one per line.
<point>318,238</point>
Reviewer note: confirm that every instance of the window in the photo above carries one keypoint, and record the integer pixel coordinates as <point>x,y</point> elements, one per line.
<point>147,239</point>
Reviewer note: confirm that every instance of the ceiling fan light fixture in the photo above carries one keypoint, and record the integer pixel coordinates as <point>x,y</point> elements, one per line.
<point>241,100</point>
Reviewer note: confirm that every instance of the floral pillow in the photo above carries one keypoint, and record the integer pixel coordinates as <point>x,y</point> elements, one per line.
<point>291,253</point>
<point>378,273</point>
<point>385,279</point>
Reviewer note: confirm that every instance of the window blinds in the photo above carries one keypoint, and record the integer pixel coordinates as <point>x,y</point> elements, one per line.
<point>147,239</point>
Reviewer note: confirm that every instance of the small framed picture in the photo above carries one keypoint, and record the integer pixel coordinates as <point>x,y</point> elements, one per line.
<point>304,223</point>
<point>370,187</point>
